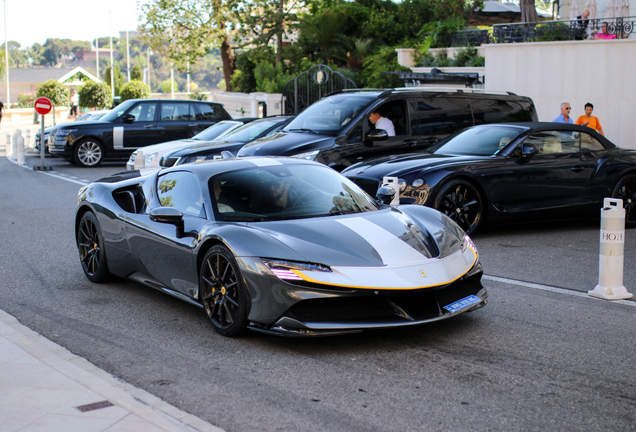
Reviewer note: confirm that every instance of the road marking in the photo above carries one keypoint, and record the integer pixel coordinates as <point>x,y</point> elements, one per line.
<point>55,174</point>
<point>552,289</point>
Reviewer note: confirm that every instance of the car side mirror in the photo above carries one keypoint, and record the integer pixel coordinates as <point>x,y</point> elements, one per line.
<point>169,215</point>
<point>529,150</point>
<point>128,118</point>
<point>377,135</point>
<point>385,194</point>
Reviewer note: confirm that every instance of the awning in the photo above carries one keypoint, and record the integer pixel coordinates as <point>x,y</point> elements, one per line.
<point>494,12</point>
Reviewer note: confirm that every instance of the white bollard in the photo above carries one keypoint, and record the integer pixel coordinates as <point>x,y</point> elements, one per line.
<point>20,152</point>
<point>8,146</point>
<point>27,139</point>
<point>392,182</point>
<point>14,144</point>
<point>140,160</point>
<point>611,259</point>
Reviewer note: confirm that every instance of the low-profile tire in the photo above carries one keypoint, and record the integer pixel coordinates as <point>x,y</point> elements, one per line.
<point>90,243</point>
<point>88,153</point>
<point>460,201</point>
<point>626,190</point>
<point>223,292</point>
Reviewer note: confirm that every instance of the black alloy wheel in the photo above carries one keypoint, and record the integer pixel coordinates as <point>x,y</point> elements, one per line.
<point>460,201</point>
<point>90,243</point>
<point>88,153</point>
<point>626,190</point>
<point>223,292</point>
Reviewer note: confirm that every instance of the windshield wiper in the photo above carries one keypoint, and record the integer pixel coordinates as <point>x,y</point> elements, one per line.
<point>304,130</point>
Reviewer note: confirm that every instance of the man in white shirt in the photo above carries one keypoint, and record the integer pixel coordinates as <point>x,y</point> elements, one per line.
<point>382,123</point>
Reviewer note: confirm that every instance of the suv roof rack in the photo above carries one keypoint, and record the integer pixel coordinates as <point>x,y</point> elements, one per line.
<point>451,90</point>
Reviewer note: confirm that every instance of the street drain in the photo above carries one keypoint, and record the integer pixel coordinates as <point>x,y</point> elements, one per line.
<point>94,406</point>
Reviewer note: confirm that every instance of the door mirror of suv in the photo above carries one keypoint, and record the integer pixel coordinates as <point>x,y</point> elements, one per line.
<point>529,150</point>
<point>128,118</point>
<point>377,135</point>
<point>385,194</point>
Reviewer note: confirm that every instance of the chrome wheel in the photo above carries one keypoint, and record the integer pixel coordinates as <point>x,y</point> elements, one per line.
<point>626,190</point>
<point>91,248</point>
<point>88,153</point>
<point>222,292</point>
<point>461,202</point>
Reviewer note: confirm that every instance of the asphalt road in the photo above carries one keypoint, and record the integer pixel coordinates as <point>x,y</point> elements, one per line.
<point>548,359</point>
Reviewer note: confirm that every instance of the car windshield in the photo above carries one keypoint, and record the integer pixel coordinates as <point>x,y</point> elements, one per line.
<point>215,131</point>
<point>477,141</point>
<point>280,192</point>
<point>118,111</point>
<point>329,115</point>
<point>250,131</point>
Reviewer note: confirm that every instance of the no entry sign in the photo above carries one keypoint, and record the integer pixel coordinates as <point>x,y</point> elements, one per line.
<point>43,105</point>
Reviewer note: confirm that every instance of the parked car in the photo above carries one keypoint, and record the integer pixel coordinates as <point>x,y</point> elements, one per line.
<point>231,142</point>
<point>330,261</point>
<point>132,124</point>
<point>516,171</point>
<point>152,154</point>
<point>92,115</point>
<point>336,130</point>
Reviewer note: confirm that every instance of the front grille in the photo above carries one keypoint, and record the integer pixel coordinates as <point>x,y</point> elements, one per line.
<point>367,185</point>
<point>337,309</point>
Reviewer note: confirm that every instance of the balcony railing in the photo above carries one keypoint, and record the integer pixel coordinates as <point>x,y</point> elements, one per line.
<point>545,31</point>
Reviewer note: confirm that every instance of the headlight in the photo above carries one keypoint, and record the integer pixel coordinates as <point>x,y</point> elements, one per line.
<point>65,132</point>
<point>132,157</point>
<point>151,158</point>
<point>284,269</point>
<point>418,182</point>
<point>307,156</point>
<point>467,243</point>
<point>402,184</point>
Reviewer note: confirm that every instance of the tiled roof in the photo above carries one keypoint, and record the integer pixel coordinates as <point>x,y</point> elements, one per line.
<point>36,75</point>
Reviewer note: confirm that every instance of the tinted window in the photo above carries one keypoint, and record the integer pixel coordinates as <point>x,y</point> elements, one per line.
<point>397,113</point>
<point>555,142</point>
<point>589,143</point>
<point>355,136</point>
<point>330,114</point>
<point>144,111</point>
<point>440,115</point>
<point>250,131</point>
<point>214,131</point>
<point>210,112</point>
<point>497,111</point>
<point>176,112</point>
<point>181,190</point>
<point>480,141</point>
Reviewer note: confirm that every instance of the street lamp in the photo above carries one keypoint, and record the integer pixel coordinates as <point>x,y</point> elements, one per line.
<point>6,53</point>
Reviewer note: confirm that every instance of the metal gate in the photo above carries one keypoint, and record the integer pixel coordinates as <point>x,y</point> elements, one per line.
<point>310,86</point>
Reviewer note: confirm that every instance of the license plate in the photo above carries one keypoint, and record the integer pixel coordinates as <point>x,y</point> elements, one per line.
<point>461,304</point>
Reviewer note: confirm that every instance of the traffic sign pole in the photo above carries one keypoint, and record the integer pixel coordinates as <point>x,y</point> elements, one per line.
<point>42,106</point>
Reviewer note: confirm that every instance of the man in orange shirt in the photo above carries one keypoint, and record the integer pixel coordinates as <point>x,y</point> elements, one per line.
<point>589,120</point>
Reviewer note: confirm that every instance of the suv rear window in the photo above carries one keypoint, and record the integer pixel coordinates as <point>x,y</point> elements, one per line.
<point>210,112</point>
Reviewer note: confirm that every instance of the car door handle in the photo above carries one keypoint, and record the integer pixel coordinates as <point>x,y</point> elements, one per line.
<point>149,126</point>
<point>577,168</point>
<point>409,142</point>
<point>192,125</point>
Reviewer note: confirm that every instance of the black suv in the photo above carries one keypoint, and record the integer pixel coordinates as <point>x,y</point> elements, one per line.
<point>337,132</point>
<point>132,124</point>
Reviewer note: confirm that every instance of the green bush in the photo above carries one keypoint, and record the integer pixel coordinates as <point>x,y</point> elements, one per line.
<point>383,59</point>
<point>166,87</point>
<point>25,100</point>
<point>135,89</point>
<point>95,95</point>
<point>136,73</point>
<point>57,92</point>
<point>196,95</point>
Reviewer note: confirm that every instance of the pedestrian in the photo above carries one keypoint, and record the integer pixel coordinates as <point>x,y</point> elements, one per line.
<point>589,120</point>
<point>564,117</point>
<point>74,104</point>
<point>1,112</point>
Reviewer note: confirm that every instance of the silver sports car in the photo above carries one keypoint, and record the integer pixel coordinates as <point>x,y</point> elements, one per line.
<point>277,245</point>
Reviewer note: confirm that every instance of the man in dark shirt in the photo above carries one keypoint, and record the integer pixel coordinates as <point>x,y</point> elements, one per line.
<point>581,26</point>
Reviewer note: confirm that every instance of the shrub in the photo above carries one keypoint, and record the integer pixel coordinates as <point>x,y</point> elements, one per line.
<point>382,60</point>
<point>25,100</point>
<point>136,73</point>
<point>167,88</point>
<point>135,89</point>
<point>57,92</point>
<point>95,95</point>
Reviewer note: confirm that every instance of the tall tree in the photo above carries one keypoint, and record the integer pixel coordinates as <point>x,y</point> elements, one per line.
<point>186,30</point>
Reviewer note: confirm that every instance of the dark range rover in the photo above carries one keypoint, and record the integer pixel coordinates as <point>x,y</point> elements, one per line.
<point>336,131</point>
<point>132,124</point>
